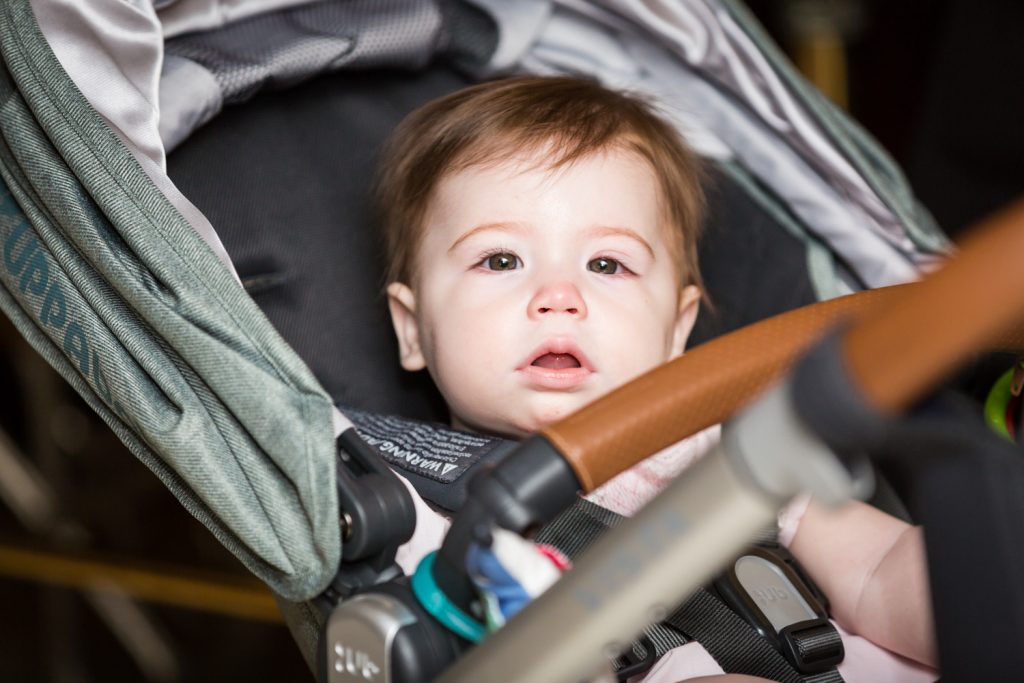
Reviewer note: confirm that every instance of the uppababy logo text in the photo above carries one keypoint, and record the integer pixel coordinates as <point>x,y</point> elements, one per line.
<point>29,273</point>
<point>354,662</point>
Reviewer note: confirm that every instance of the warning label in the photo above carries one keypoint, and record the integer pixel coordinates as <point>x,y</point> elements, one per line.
<point>425,449</point>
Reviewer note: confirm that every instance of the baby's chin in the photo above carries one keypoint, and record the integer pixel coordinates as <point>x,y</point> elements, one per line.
<point>515,426</point>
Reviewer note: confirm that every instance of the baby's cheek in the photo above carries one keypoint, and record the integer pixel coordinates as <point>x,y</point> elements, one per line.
<point>640,361</point>
<point>474,391</point>
<point>459,385</point>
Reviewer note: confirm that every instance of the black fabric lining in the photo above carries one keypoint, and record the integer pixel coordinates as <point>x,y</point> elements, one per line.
<point>753,268</point>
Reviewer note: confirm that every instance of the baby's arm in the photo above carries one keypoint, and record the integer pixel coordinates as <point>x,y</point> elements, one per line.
<point>872,568</point>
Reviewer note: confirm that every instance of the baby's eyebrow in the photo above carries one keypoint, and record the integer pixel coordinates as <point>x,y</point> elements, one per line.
<point>610,230</point>
<point>499,226</point>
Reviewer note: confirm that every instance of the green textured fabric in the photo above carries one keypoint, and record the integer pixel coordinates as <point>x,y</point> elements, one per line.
<point>107,281</point>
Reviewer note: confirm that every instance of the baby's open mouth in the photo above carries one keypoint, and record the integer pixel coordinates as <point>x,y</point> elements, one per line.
<point>556,361</point>
<point>557,365</point>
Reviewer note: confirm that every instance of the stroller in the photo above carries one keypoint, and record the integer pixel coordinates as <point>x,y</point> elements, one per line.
<point>198,306</point>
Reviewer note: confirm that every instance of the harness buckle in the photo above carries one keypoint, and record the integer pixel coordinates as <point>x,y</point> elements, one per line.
<point>768,589</point>
<point>634,666</point>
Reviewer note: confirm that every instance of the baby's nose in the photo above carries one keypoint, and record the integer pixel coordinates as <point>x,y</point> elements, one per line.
<point>558,297</point>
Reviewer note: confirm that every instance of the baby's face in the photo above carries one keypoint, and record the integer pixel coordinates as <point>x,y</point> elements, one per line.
<point>539,290</point>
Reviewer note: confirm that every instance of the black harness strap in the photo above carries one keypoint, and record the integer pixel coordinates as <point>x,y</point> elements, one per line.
<point>577,529</point>
<point>734,644</point>
<point>816,642</point>
<point>703,617</point>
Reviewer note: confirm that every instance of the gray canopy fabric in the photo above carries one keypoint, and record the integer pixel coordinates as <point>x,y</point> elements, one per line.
<point>108,281</point>
<point>124,286</point>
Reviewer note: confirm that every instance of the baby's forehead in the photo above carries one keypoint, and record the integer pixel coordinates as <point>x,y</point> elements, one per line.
<point>618,179</point>
<point>540,167</point>
<point>610,186</point>
<point>547,156</point>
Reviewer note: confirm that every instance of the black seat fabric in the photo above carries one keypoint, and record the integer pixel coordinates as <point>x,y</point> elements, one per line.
<point>753,268</point>
<point>285,180</point>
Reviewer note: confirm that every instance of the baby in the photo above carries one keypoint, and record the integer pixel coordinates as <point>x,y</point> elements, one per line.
<point>541,235</point>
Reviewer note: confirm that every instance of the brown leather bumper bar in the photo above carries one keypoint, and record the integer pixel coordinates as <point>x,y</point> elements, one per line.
<point>905,338</point>
<point>897,353</point>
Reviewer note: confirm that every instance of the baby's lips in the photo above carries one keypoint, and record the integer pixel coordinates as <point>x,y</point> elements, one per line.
<point>559,349</point>
<point>548,379</point>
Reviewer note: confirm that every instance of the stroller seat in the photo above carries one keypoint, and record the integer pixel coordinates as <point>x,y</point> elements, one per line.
<point>321,285</point>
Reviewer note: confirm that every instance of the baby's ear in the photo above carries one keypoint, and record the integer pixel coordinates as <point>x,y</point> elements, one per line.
<point>402,303</point>
<point>689,304</point>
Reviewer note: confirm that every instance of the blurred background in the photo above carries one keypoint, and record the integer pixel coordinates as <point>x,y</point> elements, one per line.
<point>105,577</point>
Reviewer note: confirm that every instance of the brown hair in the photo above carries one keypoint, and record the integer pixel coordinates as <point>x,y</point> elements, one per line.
<point>569,118</point>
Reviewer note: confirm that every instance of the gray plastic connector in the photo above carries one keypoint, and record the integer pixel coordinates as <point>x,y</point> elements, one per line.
<point>360,635</point>
<point>784,458</point>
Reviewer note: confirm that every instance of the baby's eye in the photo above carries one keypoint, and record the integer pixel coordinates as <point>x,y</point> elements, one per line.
<point>502,261</point>
<point>605,266</point>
